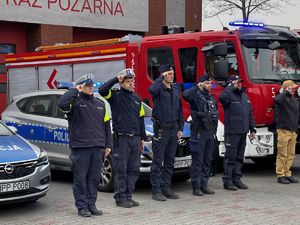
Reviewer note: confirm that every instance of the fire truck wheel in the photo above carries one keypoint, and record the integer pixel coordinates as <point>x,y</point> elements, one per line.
<point>107,175</point>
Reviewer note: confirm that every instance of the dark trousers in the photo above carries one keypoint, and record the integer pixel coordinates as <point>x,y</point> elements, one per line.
<point>127,161</point>
<point>86,167</point>
<point>202,153</point>
<point>164,151</point>
<point>234,157</point>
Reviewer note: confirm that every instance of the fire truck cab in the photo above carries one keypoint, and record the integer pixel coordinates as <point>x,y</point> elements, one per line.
<point>261,55</point>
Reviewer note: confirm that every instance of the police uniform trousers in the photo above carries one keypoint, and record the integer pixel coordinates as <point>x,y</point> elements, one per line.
<point>86,167</point>
<point>164,146</point>
<point>202,152</point>
<point>127,161</point>
<point>234,157</point>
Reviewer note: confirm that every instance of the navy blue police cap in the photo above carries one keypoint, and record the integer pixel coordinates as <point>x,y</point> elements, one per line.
<point>165,68</point>
<point>203,78</point>
<point>88,79</point>
<point>233,78</point>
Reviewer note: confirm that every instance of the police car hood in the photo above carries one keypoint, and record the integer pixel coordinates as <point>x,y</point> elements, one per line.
<point>13,148</point>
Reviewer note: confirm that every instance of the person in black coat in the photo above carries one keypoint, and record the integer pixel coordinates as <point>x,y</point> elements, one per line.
<point>168,126</point>
<point>204,112</point>
<point>287,119</point>
<point>129,134</point>
<point>89,134</point>
<point>238,121</point>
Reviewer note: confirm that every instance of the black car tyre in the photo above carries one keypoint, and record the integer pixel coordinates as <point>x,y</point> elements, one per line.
<point>107,175</point>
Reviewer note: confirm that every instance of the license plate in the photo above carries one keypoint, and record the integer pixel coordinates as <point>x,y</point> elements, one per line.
<point>14,186</point>
<point>183,163</point>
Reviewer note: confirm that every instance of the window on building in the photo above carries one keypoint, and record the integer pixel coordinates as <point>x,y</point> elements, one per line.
<point>3,88</point>
<point>156,58</point>
<point>188,63</point>
<point>2,68</point>
<point>7,48</point>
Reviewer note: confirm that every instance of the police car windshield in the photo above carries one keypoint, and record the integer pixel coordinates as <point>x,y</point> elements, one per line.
<point>265,65</point>
<point>4,131</point>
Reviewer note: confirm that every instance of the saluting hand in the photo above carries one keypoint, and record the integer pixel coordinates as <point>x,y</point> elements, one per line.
<point>80,87</point>
<point>120,78</point>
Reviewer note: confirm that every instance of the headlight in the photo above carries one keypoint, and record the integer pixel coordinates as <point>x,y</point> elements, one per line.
<point>43,158</point>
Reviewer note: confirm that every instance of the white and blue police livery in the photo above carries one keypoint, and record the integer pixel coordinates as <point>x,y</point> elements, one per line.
<point>39,120</point>
<point>24,168</point>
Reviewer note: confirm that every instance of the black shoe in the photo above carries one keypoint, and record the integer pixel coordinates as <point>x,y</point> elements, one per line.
<point>207,191</point>
<point>124,204</point>
<point>293,179</point>
<point>134,203</point>
<point>283,180</point>
<point>158,197</point>
<point>95,212</point>
<point>230,187</point>
<point>197,192</point>
<point>170,194</point>
<point>240,185</point>
<point>84,213</point>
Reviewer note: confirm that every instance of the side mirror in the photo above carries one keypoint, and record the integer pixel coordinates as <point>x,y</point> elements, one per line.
<point>13,129</point>
<point>274,45</point>
<point>221,69</point>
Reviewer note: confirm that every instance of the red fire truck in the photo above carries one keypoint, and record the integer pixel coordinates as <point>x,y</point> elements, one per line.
<point>261,55</point>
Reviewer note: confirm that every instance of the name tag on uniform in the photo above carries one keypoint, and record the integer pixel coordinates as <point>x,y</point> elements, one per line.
<point>82,106</point>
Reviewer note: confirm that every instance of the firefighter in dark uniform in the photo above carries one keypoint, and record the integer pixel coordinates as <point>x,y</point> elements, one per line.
<point>203,127</point>
<point>89,134</point>
<point>167,127</point>
<point>238,122</point>
<point>129,134</point>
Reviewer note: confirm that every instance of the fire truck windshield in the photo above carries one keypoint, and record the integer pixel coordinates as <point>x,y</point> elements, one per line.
<point>271,61</point>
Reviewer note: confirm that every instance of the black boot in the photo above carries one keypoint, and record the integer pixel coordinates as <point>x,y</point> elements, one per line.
<point>84,213</point>
<point>230,187</point>
<point>207,191</point>
<point>197,192</point>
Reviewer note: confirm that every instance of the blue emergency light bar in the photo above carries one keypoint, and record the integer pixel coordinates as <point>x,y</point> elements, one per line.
<point>69,84</point>
<point>246,24</point>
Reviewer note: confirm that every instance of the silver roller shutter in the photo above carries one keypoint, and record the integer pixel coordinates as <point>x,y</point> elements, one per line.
<point>21,81</point>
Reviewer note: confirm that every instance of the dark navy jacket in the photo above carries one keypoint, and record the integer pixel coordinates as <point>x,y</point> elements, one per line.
<point>286,111</point>
<point>167,104</point>
<point>127,109</point>
<point>238,111</point>
<point>89,124</point>
<point>204,111</point>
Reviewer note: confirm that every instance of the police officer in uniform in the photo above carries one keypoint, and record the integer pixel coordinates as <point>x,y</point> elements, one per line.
<point>168,126</point>
<point>129,134</point>
<point>238,122</point>
<point>89,134</point>
<point>203,127</point>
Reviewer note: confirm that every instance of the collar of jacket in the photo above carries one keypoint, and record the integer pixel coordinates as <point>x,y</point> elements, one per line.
<point>86,96</point>
<point>125,91</point>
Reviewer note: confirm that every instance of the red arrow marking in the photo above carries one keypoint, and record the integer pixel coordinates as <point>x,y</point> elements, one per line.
<point>51,82</point>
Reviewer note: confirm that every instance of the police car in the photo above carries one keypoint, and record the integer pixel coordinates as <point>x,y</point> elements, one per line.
<point>39,120</point>
<point>24,168</point>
